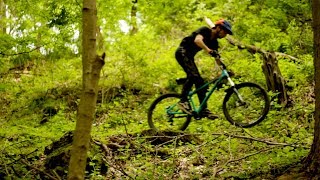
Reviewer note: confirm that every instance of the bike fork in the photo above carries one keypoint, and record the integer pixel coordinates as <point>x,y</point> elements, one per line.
<point>235,90</point>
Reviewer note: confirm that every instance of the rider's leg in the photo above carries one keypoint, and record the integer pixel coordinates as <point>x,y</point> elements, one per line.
<point>193,75</point>
<point>187,63</point>
<point>199,82</point>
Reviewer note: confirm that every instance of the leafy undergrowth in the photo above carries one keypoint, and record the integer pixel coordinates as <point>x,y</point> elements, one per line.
<point>40,113</point>
<point>123,147</point>
<point>163,155</point>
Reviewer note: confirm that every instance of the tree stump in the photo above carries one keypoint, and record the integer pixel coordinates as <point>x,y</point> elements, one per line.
<point>274,79</point>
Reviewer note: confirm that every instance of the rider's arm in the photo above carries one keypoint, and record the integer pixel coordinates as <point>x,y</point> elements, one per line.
<point>199,42</point>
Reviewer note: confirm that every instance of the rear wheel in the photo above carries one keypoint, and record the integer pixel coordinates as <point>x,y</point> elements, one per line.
<point>246,104</point>
<point>164,114</point>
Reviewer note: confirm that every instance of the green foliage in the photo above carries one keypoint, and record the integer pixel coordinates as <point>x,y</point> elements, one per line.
<point>141,66</point>
<point>7,42</point>
<point>30,35</point>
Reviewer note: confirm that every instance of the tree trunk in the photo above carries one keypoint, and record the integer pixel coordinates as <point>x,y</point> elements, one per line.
<point>3,16</point>
<point>312,162</point>
<point>92,65</point>
<point>134,26</point>
<point>271,70</point>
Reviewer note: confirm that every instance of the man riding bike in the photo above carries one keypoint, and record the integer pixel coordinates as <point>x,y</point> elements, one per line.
<point>203,38</point>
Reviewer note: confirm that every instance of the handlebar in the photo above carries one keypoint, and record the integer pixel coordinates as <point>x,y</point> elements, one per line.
<point>217,56</point>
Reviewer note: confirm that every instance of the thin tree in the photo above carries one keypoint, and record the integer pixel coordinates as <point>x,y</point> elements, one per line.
<point>134,26</point>
<point>2,16</point>
<point>92,65</point>
<point>312,162</point>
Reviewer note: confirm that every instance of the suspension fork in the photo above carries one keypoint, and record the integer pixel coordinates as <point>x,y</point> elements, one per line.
<point>235,90</point>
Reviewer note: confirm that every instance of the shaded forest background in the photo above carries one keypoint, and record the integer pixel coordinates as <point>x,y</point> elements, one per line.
<point>40,84</point>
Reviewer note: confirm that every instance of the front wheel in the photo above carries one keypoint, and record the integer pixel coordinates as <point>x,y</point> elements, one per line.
<point>164,114</point>
<point>246,104</point>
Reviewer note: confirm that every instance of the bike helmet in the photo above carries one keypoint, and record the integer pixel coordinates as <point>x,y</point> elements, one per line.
<point>225,24</point>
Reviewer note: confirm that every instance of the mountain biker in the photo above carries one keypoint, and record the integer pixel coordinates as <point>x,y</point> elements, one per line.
<point>203,38</point>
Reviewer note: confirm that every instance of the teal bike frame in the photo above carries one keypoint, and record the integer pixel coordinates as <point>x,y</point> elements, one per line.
<point>197,110</point>
<point>224,75</point>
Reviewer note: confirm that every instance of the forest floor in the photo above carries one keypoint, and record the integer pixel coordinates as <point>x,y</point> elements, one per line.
<point>36,135</point>
<point>118,153</point>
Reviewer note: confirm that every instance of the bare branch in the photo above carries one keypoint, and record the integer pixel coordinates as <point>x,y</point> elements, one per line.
<point>39,170</point>
<point>26,52</point>
<point>260,140</point>
<point>113,163</point>
<point>253,49</point>
<point>239,159</point>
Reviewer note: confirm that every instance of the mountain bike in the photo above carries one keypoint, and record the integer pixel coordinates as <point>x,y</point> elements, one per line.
<point>245,104</point>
